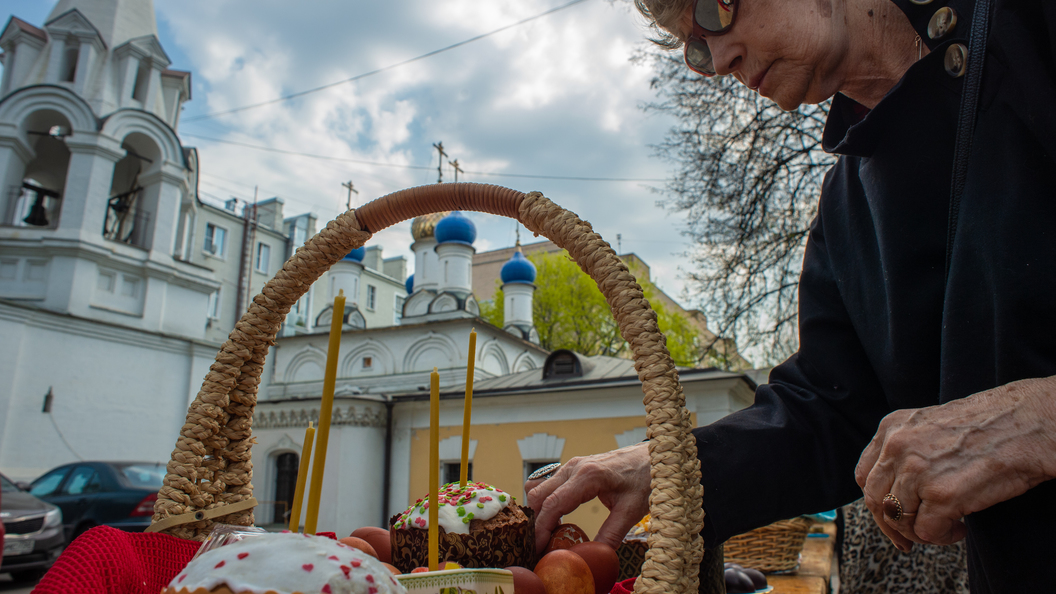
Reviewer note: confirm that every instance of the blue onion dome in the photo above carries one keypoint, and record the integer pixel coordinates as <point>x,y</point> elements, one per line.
<point>409,284</point>
<point>518,269</point>
<point>356,255</point>
<point>455,227</point>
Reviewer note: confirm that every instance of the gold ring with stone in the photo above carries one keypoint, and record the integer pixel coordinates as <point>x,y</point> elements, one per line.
<point>892,507</point>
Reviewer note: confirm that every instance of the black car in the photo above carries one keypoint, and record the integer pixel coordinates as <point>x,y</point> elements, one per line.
<point>117,494</point>
<point>34,536</point>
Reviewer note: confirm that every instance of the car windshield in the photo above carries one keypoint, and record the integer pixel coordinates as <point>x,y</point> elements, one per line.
<point>7,486</point>
<point>143,475</point>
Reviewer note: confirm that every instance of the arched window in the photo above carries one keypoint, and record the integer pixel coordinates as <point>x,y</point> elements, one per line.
<point>285,484</point>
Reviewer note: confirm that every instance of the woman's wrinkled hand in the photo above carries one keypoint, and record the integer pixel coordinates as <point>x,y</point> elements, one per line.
<point>945,462</point>
<point>620,479</point>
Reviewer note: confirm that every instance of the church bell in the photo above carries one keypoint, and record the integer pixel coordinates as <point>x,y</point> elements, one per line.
<point>37,213</point>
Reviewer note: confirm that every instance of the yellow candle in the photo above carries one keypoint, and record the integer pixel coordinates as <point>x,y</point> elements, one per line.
<point>302,478</point>
<point>326,409</point>
<point>434,471</point>
<point>467,411</point>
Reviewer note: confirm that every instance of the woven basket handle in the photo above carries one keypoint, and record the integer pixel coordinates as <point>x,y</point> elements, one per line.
<point>211,469</point>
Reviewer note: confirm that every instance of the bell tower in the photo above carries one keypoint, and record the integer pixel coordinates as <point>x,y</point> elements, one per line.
<point>97,193</point>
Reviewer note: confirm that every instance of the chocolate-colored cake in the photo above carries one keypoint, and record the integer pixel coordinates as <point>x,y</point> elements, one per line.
<point>480,526</point>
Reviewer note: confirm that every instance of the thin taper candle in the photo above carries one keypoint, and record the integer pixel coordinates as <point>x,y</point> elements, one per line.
<point>467,410</point>
<point>326,409</point>
<point>434,471</point>
<point>302,478</point>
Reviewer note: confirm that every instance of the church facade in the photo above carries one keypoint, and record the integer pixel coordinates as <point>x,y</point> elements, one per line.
<point>118,284</point>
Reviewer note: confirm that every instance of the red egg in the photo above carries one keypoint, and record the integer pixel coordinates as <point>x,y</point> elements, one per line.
<point>525,581</point>
<point>566,536</point>
<point>377,538</point>
<point>603,562</point>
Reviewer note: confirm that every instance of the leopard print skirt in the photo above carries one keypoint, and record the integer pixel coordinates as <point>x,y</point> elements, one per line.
<point>870,563</point>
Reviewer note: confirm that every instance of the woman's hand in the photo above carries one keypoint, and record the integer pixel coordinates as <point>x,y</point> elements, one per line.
<point>945,462</point>
<point>620,479</point>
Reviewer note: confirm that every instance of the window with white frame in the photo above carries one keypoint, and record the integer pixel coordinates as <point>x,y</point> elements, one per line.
<point>372,297</point>
<point>263,257</point>
<point>215,238</point>
<point>397,309</point>
<point>214,305</point>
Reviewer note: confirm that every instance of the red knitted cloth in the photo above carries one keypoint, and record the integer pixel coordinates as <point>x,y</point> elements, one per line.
<point>624,587</point>
<point>105,560</point>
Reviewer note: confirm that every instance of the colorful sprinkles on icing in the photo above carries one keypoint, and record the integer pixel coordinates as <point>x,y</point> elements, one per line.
<point>486,500</point>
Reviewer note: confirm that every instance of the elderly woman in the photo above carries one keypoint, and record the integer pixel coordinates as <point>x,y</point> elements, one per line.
<point>925,374</point>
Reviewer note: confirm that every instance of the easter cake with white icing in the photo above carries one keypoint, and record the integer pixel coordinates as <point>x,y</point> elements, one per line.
<point>480,526</point>
<point>285,563</point>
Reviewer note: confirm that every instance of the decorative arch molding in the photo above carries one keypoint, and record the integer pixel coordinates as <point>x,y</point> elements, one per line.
<point>492,351</point>
<point>433,342</point>
<point>451,448</point>
<point>524,362</point>
<point>631,437</point>
<point>541,446</point>
<point>445,302</point>
<point>308,355</point>
<point>283,446</point>
<point>21,104</point>
<point>472,306</point>
<point>418,304</point>
<point>384,363</point>
<point>127,121</point>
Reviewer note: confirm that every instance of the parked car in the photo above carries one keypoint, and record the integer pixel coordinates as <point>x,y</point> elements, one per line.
<point>34,536</point>
<point>117,494</point>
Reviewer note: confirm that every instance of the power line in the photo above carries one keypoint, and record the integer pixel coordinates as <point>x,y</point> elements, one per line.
<point>421,167</point>
<point>380,70</point>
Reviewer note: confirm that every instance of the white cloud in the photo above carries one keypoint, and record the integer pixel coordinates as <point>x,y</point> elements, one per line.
<point>555,96</point>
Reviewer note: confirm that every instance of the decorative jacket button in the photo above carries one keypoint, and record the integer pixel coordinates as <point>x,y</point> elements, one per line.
<point>956,60</point>
<point>942,22</point>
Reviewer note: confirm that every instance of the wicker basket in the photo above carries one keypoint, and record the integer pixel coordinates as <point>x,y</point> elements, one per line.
<point>771,548</point>
<point>209,476</point>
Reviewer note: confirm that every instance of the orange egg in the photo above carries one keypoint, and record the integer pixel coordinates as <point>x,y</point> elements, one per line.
<point>420,570</point>
<point>377,538</point>
<point>392,568</point>
<point>525,581</point>
<point>604,564</point>
<point>358,543</point>
<point>566,536</point>
<point>564,572</point>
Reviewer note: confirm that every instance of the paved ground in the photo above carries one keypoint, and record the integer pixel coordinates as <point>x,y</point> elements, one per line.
<point>7,586</point>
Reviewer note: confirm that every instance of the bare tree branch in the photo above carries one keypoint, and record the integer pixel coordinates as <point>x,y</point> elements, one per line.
<point>747,181</point>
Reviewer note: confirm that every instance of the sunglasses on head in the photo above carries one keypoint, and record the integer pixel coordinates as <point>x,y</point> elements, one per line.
<point>710,17</point>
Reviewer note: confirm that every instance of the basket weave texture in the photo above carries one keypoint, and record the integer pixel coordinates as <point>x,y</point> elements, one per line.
<point>771,548</point>
<point>211,467</point>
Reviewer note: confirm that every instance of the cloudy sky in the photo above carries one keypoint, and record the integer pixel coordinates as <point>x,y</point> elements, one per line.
<point>554,97</point>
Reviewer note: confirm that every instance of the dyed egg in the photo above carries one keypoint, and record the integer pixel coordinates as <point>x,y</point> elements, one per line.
<point>564,572</point>
<point>566,536</point>
<point>603,562</point>
<point>358,543</point>
<point>525,581</point>
<point>377,538</point>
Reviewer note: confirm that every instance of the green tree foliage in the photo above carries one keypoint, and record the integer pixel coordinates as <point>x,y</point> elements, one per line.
<point>571,313</point>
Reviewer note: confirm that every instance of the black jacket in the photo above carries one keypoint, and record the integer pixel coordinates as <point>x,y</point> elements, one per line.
<point>880,327</point>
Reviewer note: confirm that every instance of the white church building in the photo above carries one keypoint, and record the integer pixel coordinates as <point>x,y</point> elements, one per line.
<point>118,284</point>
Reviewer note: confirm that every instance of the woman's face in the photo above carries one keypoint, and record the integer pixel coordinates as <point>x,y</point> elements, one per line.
<point>787,50</point>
